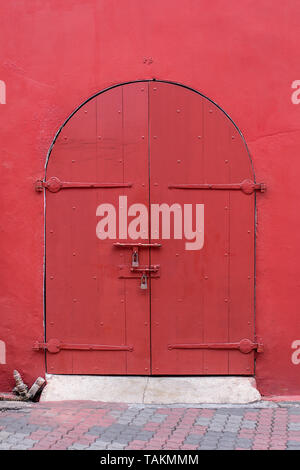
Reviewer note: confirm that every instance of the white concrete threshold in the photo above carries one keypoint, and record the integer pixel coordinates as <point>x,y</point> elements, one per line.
<point>151,390</point>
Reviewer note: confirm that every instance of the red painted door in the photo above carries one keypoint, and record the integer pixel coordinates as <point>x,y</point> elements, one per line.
<point>151,142</point>
<point>203,295</point>
<point>88,304</point>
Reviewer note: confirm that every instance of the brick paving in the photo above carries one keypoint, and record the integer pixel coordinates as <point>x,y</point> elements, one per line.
<point>108,426</point>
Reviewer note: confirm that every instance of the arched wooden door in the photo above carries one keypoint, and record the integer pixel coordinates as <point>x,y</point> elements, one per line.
<point>135,282</point>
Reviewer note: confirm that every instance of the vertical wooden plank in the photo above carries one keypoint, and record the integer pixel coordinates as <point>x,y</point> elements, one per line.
<point>177,296</point>
<point>136,170</point>
<point>216,252</point>
<point>242,233</point>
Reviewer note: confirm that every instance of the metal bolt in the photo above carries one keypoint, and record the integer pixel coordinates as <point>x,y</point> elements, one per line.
<point>178,161</point>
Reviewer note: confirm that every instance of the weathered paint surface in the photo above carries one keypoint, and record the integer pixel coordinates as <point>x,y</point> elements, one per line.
<point>242,55</point>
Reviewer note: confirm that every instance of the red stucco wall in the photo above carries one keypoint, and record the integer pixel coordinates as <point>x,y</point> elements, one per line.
<point>243,55</point>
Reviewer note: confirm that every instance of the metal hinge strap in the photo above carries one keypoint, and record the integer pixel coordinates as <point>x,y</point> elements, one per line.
<point>245,346</point>
<point>54,185</point>
<point>54,346</point>
<point>247,186</point>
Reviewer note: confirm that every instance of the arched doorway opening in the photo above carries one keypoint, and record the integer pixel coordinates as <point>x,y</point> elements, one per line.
<point>150,237</point>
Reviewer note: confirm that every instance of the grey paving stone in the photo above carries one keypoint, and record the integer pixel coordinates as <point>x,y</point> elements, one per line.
<point>29,428</point>
<point>209,442</point>
<point>158,418</point>
<point>20,436</point>
<point>124,421</point>
<point>214,434</point>
<point>192,440</point>
<point>233,429</point>
<point>128,433</point>
<point>294,426</point>
<point>20,447</point>
<point>45,427</point>
<point>12,442</point>
<point>202,421</point>
<point>215,428</point>
<point>227,443</point>
<point>123,440</point>
<point>229,434</point>
<point>243,441</point>
<point>207,447</point>
<point>220,417</point>
<point>116,446</point>
<point>96,430</point>
<point>293,443</point>
<point>232,411</point>
<point>294,411</point>
<point>107,439</point>
<point>4,435</point>
<point>95,447</point>
<point>100,443</point>
<point>4,446</point>
<point>78,446</point>
<point>116,427</point>
<point>28,442</point>
<point>248,424</point>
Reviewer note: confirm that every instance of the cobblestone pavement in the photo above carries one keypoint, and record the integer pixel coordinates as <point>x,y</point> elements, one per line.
<point>95,425</point>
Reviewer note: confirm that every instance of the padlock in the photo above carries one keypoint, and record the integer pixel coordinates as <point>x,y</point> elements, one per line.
<point>144,282</point>
<point>135,259</point>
